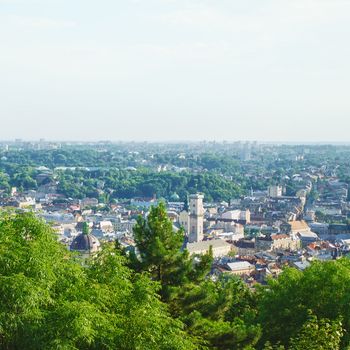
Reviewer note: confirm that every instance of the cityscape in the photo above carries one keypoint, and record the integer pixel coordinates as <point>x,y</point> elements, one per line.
<point>260,207</point>
<point>174,175</point>
<point>244,213</point>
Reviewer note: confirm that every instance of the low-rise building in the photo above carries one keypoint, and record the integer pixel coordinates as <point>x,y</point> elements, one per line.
<point>240,267</point>
<point>219,247</point>
<point>244,247</point>
<point>277,242</point>
<point>307,237</point>
<point>125,225</point>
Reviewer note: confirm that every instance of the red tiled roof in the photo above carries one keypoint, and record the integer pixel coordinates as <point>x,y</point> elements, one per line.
<point>281,236</point>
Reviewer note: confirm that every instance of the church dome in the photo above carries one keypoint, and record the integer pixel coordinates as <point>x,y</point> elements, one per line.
<point>85,243</point>
<point>175,197</point>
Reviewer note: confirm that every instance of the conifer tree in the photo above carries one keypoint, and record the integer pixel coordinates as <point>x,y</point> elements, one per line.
<point>160,253</point>
<point>218,312</point>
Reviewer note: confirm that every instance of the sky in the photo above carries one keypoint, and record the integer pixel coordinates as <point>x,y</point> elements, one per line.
<point>156,70</point>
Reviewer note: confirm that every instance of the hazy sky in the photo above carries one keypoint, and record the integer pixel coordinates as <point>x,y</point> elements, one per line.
<point>175,69</point>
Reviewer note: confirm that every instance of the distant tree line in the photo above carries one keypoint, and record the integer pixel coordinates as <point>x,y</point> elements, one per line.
<point>144,183</point>
<point>219,174</point>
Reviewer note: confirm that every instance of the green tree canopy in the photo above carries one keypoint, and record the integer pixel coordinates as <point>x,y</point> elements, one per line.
<point>219,312</point>
<point>285,304</point>
<point>160,253</point>
<point>50,301</point>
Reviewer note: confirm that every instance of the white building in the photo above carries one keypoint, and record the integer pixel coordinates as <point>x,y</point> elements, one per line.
<point>196,215</point>
<point>275,191</point>
<point>184,220</point>
<point>106,226</point>
<point>237,215</point>
<point>241,267</point>
<point>219,247</point>
<point>232,236</point>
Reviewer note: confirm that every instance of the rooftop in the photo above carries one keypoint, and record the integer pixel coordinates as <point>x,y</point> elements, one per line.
<point>280,236</point>
<point>204,245</point>
<point>240,265</point>
<point>298,225</point>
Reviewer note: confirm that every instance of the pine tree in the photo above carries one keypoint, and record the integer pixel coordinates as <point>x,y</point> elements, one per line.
<point>160,253</point>
<point>218,312</point>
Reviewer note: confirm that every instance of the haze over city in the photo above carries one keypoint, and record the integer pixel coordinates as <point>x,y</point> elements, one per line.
<point>175,70</point>
<point>174,174</point>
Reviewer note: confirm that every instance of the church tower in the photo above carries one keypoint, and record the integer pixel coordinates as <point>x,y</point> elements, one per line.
<point>196,213</point>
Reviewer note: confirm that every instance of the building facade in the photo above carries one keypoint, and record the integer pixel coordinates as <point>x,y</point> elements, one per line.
<point>196,218</point>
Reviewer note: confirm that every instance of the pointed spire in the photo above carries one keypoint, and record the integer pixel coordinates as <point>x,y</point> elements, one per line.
<point>86,228</point>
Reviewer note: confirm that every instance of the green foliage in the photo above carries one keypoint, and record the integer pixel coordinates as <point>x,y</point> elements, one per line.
<point>86,228</point>
<point>24,179</point>
<point>4,182</point>
<point>268,346</point>
<point>221,313</point>
<point>142,183</point>
<point>50,301</point>
<point>211,168</point>
<point>315,334</point>
<point>102,174</point>
<point>284,305</point>
<point>160,254</point>
<point>318,334</point>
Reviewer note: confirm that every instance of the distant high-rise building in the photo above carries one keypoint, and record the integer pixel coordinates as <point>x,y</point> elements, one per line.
<point>245,153</point>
